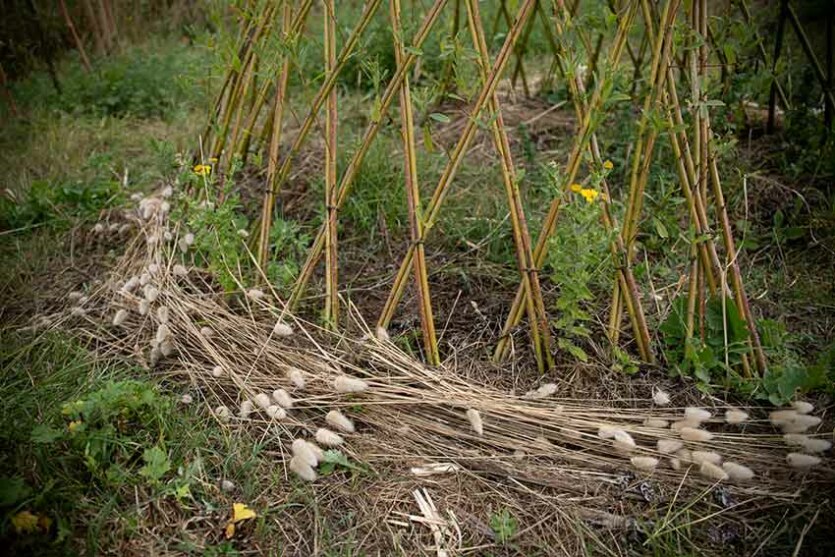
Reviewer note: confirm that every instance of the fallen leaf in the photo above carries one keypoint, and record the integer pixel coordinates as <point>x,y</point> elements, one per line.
<point>241,512</point>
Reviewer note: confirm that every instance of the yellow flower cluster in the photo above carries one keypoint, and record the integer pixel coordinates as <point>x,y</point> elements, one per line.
<point>608,165</point>
<point>589,194</point>
<point>202,169</point>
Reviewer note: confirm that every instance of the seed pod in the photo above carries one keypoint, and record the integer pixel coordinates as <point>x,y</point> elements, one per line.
<point>706,456</point>
<point>144,279</point>
<point>151,293</point>
<point>217,371</point>
<point>206,332</point>
<point>738,471</point>
<point>283,398</point>
<point>282,329</point>
<point>694,414</point>
<point>661,398</point>
<point>302,469</point>
<point>475,421</point>
<point>186,399</point>
<point>796,439</point>
<point>656,422</point>
<point>328,438</point>
<point>179,270</point>
<point>338,420</point>
<point>669,446</point>
<point>130,285</point>
<point>800,460</point>
<point>644,463</point>
<point>227,486</point>
<point>276,412</point>
<point>816,445</point>
<point>803,407</point>
<point>188,238</point>
<point>262,400</point>
<point>695,434</point>
<point>807,421</point>
<point>183,245</point>
<point>296,378</point>
<point>155,356</point>
<point>681,424</point>
<point>675,463</point>
<point>144,307</point>
<point>345,384</point>
<point>735,416</point>
<point>302,450</point>
<point>120,317</point>
<point>124,229</point>
<point>255,294</point>
<point>382,334</point>
<point>712,472</point>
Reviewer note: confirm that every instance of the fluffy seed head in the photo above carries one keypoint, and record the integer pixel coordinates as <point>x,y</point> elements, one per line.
<point>706,456</point>
<point>644,463</point>
<point>188,239</point>
<point>328,438</point>
<point>163,332</point>
<point>302,469</point>
<point>806,420</point>
<point>217,371</point>
<point>735,416</point>
<point>800,460</point>
<point>124,229</point>
<point>246,409</point>
<point>162,314</point>
<point>345,384</point>
<point>282,329</point>
<point>222,413</point>
<point>545,390</point>
<point>681,424</point>
<point>816,445</point>
<point>622,441</point>
<point>474,417</point>
<point>75,296</point>
<point>120,317</point>
<point>179,270</point>
<point>803,407</point>
<point>262,400</point>
<point>144,307</point>
<point>340,421</point>
<point>695,434</point>
<point>276,412</point>
<point>607,431</point>
<point>255,294</point>
<point>781,417</point>
<point>712,471</point>
<point>296,377</point>
<point>382,334</point>
<point>301,449</point>
<point>796,439</point>
<point>669,446</point>
<point>151,293</point>
<point>144,279</point>
<point>283,398</point>
<point>183,245</point>
<point>78,311</point>
<point>738,471</point>
<point>694,414</point>
<point>131,284</point>
<point>206,332</point>
<point>656,422</point>
<point>675,463</point>
<point>227,486</point>
<point>661,398</point>
<point>186,399</point>
<point>685,455</point>
<point>153,268</point>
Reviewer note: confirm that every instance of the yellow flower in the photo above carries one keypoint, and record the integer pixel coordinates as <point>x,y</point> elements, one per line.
<point>202,169</point>
<point>240,512</point>
<point>74,425</point>
<point>213,160</point>
<point>25,522</point>
<point>589,194</point>
<point>576,188</point>
<point>607,164</point>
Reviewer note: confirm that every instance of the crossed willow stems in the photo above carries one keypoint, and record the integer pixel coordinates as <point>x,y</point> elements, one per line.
<point>696,166</point>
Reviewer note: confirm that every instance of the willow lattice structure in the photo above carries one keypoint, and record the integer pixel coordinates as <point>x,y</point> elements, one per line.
<point>250,112</point>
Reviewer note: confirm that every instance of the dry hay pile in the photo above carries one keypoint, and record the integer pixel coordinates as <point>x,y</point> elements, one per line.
<point>563,464</point>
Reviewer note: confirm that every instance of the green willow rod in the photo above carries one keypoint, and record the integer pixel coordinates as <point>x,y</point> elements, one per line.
<point>407,127</point>
<point>331,313</point>
<point>537,316</point>
<point>322,94</point>
<point>550,223</point>
<point>457,155</point>
<point>392,90</point>
<point>275,140</point>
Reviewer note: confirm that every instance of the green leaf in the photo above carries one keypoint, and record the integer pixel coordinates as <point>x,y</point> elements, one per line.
<point>12,491</point>
<point>504,525</point>
<point>660,229</point>
<point>45,434</point>
<point>156,465</point>
<point>438,117</point>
